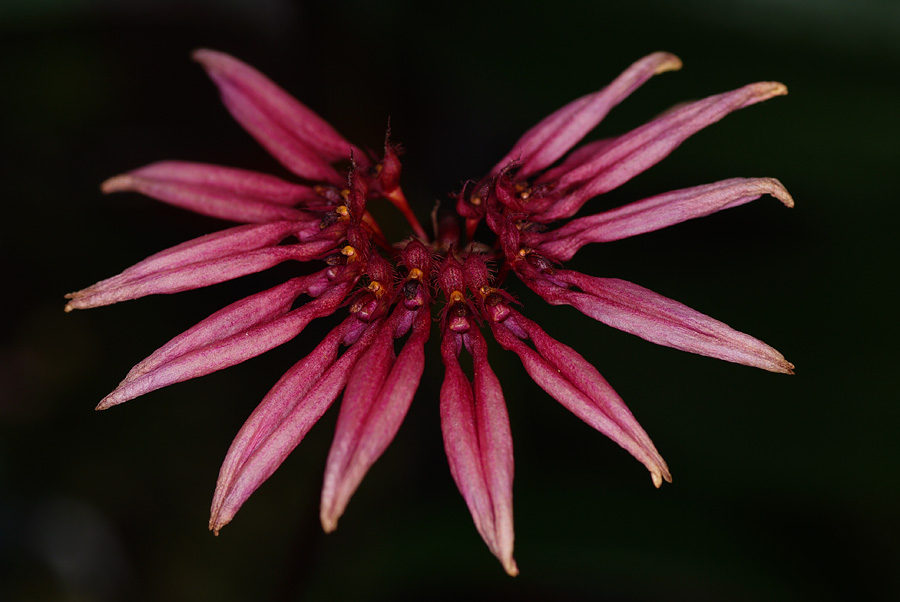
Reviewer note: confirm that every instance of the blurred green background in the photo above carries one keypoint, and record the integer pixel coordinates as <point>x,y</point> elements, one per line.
<point>786,488</point>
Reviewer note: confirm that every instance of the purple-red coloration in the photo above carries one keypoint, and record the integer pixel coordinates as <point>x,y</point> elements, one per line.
<point>376,354</point>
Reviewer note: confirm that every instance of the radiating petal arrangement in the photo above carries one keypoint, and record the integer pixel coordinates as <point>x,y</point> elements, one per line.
<point>521,220</point>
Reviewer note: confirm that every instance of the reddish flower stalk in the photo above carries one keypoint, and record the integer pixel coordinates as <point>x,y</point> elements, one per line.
<point>375,355</point>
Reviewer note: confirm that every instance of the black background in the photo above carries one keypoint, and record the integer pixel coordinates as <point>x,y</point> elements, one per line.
<point>785,487</point>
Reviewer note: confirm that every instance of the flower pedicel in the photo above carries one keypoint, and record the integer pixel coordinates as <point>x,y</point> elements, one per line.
<point>519,219</point>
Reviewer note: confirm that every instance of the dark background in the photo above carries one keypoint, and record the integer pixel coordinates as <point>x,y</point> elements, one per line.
<point>785,487</point>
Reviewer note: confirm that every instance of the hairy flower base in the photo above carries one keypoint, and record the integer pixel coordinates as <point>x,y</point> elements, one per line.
<point>392,292</point>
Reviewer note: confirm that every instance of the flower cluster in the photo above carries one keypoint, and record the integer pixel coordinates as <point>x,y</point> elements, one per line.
<point>506,223</point>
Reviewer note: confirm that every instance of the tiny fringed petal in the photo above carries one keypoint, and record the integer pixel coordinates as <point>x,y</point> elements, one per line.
<point>207,260</point>
<point>654,213</point>
<point>223,192</point>
<point>375,403</point>
<point>576,384</point>
<point>657,319</point>
<point>640,149</point>
<point>301,140</point>
<point>283,418</point>
<point>478,444</point>
<point>550,139</point>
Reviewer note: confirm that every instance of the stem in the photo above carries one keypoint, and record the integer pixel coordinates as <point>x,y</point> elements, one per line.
<point>397,198</point>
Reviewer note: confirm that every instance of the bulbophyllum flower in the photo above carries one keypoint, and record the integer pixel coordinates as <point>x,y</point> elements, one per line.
<point>520,219</point>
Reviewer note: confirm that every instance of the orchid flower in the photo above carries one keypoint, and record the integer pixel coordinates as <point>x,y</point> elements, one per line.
<point>522,219</point>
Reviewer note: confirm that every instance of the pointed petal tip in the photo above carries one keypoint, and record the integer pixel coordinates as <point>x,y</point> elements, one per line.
<point>659,476</point>
<point>777,190</point>
<point>510,567</point>
<point>770,89</point>
<point>329,523</point>
<point>104,404</point>
<point>204,55</point>
<point>216,524</point>
<point>666,62</point>
<point>117,184</point>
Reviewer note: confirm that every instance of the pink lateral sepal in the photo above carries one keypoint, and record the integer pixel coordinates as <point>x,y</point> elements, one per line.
<point>550,139</point>
<point>211,353</point>
<point>478,443</point>
<point>301,140</point>
<point>639,311</point>
<point>655,213</point>
<point>206,260</point>
<point>227,193</point>
<point>377,398</point>
<point>283,418</point>
<point>576,384</point>
<point>638,150</point>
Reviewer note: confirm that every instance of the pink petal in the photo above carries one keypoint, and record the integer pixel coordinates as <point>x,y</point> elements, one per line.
<point>283,418</point>
<point>301,140</point>
<point>238,317</point>
<point>201,262</point>
<point>576,158</point>
<point>658,319</point>
<point>655,213</point>
<point>550,139</point>
<point>227,351</point>
<point>478,443</point>
<point>222,192</point>
<point>572,381</point>
<point>645,146</point>
<point>375,403</point>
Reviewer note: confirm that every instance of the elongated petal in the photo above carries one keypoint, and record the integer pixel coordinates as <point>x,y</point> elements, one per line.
<point>571,380</point>
<point>655,213</point>
<point>375,403</point>
<point>301,140</point>
<point>645,146</point>
<point>550,139</point>
<point>282,420</point>
<point>210,246</point>
<point>228,351</point>
<point>658,319</point>
<point>576,158</point>
<point>223,192</point>
<point>201,262</point>
<point>238,317</point>
<point>478,443</point>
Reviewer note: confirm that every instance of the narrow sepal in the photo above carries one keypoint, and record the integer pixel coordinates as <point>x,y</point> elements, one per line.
<point>301,140</point>
<point>576,384</point>
<point>283,418</point>
<point>634,152</point>
<point>201,262</point>
<point>238,317</point>
<point>654,213</point>
<point>657,319</point>
<point>550,139</point>
<point>226,193</point>
<point>212,353</point>
<point>375,403</point>
<point>478,444</point>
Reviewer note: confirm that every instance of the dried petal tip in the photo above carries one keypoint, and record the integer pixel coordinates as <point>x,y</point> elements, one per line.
<point>775,188</point>
<point>510,567</point>
<point>117,184</point>
<point>667,62</point>
<point>659,477</point>
<point>769,89</point>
